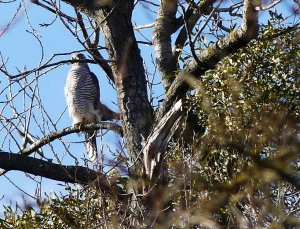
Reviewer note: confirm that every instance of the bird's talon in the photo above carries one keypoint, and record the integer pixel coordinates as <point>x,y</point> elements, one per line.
<point>78,125</point>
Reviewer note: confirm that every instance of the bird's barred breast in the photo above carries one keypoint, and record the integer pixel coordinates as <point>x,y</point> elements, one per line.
<point>80,93</point>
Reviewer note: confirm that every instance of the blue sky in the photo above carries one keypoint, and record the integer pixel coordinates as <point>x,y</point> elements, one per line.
<point>23,49</point>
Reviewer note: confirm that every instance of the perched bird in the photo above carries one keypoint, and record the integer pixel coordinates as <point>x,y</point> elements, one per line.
<point>82,94</point>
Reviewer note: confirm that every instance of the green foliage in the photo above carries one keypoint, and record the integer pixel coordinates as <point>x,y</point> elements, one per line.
<point>237,171</point>
<point>81,208</point>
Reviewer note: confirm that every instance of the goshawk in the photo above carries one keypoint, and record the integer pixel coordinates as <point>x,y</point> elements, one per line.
<point>83,99</point>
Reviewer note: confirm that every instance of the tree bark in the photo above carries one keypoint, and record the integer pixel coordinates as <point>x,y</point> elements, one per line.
<point>165,26</point>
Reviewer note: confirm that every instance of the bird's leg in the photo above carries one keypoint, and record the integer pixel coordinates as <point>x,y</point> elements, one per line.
<point>79,124</point>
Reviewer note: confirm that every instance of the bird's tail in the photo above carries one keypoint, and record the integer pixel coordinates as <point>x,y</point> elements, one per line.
<point>106,114</point>
<point>91,146</point>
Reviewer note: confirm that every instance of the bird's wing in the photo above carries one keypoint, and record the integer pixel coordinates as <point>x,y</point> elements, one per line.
<point>96,85</point>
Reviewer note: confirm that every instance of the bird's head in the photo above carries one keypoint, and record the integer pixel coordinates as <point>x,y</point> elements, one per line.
<point>78,56</point>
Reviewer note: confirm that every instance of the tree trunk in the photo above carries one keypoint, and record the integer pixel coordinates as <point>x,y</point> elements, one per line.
<point>136,111</point>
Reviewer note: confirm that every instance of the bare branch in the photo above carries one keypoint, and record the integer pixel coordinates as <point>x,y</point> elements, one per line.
<point>164,28</point>
<point>92,48</point>
<point>52,10</point>
<point>150,25</point>
<point>205,7</point>
<point>47,169</point>
<point>38,167</point>
<point>12,21</point>
<point>271,5</point>
<point>191,18</point>
<point>90,5</point>
<point>191,43</point>
<point>58,134</point>
<point>28,138</point>
<point>26,73</point>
